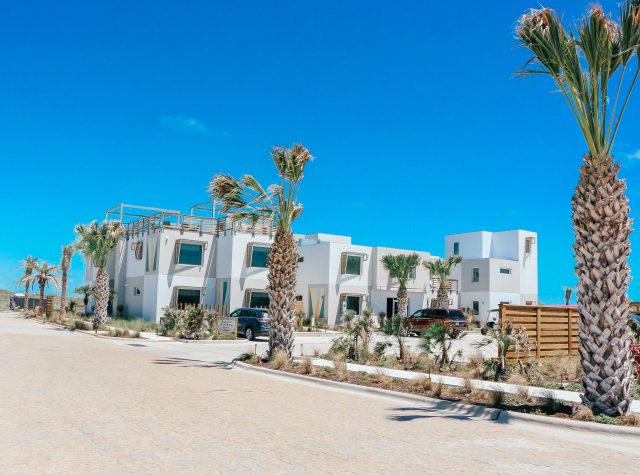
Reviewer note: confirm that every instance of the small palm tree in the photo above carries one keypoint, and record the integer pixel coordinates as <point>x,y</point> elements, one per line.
<point>28,264</point>
<point>441,270</point>
<point>401,267</point>
<point>97,242</point>
<point>86,291</point>
<point>588,65</point>
<point>247,200</point>
<point>44,275</point>
<point>65,263</point>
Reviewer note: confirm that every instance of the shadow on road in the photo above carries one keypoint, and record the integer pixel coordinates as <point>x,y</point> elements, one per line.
<point>444,410</point>
<point>190,363</point>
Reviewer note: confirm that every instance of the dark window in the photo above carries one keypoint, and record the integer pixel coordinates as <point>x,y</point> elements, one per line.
<point>236,313</point>
<point>188,297</point>
<point>248,313</point>
<point>259,256</point>
<point>456,248</point>
<point>353,303</point>
<point>259,299</point>
<point>352,264</point>
<point>190,254</point>
<point>439,313</point>
<point>505,270</point>
<point>475,275</point>
<point>476,307</point>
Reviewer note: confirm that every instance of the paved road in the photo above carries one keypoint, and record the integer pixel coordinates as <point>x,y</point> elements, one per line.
<point>73,403</point>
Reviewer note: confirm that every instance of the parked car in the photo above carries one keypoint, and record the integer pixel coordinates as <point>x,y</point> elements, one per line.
<point>635,317</point>
<point>252,322</point>
<point>452,318</point>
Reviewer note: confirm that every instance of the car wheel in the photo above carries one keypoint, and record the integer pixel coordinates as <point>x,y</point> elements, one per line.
<point>248,334</point>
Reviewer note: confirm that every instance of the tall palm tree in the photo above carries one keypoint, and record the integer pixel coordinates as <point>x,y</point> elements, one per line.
<point>401,267</point>
<point>28,265</point>
<point>97,242</point>
<point>44,275</point>
<point>588,64</point>
<point>441,270</point>
<point>246,199</point>
<point>65,262</point>
<point>86,291</point>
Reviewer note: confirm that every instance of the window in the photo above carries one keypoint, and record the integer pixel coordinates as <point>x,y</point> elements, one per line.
<point>456,248</point>
<point>257,298</point>
<point>475,274</point>
<point>476,307</point>
<point>187,297</point>
<point>505,303</point>
<point>189,253</point>
<point>505,270</point>
<point>137,291</point>
<point>258,255</point>
<point>137,249</point>
<point>351,264</point>
<point>530,302</point>
<point>528,244</point>
<point>353,303</point>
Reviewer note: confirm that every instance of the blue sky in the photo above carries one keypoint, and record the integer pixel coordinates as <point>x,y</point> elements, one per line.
<point>411,109</point>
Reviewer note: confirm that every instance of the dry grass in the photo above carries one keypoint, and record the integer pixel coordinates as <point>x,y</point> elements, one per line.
<point>583,413</point>
<point>341,367</point>
<point>475,365</point>
<point>522,384</point>
<point>384,381</point>
<point>280,361</point>
<point>306,367</point>
<point>631,419</point>
<point>422,384</point>
<point>436,390</point>
<point>496,398</point>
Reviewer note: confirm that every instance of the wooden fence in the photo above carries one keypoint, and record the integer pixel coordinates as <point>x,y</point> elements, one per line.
<point>552,330</point>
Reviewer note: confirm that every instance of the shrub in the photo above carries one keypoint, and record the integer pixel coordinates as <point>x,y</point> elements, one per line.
<point>436,340</point>
<point>582,413</point>
<point>496,398</point>
<point>80,325</point>
<point>169,321</point>
<point>631,419</point>
<point>280,361</point>
<point>603,419</point>
<point>380,347</point>
<point>306,367</point>
<point>436,389</point>
<point>191,323</point>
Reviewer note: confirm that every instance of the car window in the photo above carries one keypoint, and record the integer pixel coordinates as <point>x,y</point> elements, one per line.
<point>439,313</point>
<point>263,314</point>
<point>417,314</point>
<point>236,314</point>
<point>456,315</point>
<point>252,313</point>
<point>428,313</point>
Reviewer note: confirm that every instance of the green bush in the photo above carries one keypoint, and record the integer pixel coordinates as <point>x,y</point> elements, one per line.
<point>190,323</point>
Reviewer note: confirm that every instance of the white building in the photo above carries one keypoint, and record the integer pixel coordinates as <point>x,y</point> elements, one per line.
<point>168,258</point>
<point>497,267</point>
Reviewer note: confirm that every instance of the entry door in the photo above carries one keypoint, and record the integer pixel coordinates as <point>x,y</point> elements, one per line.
<point>392,307</point>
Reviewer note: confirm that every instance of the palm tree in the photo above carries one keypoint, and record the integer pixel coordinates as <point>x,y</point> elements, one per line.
<point>45,274</point>
<point>588,65</point>
<point>247,200</point>
<point>65,262</point>
<point>441,270</point>
<point>86,291</point>
<point>28,265</point>
<point>97,242</point>
<point>401,267</point>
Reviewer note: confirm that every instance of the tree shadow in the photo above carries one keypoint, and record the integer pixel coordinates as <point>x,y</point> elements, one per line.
<point>191,363</point>
<point>444,410</point>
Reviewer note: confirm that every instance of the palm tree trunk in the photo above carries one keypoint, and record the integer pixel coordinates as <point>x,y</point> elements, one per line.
<point>41,305</point>
<point>26,298</point>
<point>283,268</point>
<point>403,302</point>
<point>602,227</point>
<point>101,298</point>
<point>63,295</point>
<point>442,297</point>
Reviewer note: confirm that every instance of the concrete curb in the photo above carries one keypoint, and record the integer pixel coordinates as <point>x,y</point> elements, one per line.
<point>470,410</point>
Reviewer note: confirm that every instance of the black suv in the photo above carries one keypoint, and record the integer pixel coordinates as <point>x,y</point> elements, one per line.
<point>252,322</point>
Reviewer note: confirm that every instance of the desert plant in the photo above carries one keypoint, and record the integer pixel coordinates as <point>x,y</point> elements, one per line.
<point>496,398</point>
<point>65,262</point>
<point>28,264</point>
<point>504,340</point>
<point>441,270</point>
<point>401,267</point>
<point>280,360</point>
<point>85,291</point>
<point>436,340</point>
<point>399,329</point>
<point>380,348</point>
<point>437,389</point>
<point>248,200</point>
<point>584,63</point>
<point>97,242</point>
<point>381,317</point>
<point>306,367</point>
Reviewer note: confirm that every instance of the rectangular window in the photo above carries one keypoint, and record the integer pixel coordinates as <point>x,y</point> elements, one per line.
<point>456,248</point>
<point>475,274</point>
<point>136,291</point>
<point>505,270</point>
<point>351,264</point>
<point>353,303</point>
<point>259,256</point>
<point>190,254</point>
<point>187,297</point>
<point>257,299</point>
<point>476,307</point>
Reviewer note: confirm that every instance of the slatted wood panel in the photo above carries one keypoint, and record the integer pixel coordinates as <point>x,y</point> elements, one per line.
<point>552,330</point>
<point>634,307</point>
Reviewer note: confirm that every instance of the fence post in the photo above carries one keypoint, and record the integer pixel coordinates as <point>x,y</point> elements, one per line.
<point>538,315</point>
